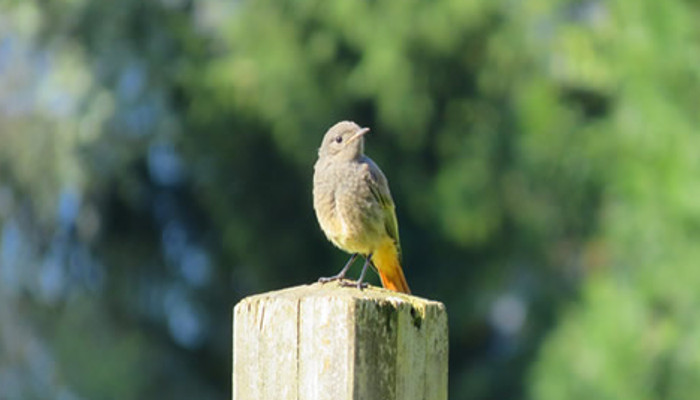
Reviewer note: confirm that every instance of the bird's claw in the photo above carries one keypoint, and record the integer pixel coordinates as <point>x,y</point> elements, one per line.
<point>326,279</point>
<point>359,285</point>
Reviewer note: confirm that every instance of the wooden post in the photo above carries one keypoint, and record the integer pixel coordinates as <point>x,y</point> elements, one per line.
<point>324,341</point>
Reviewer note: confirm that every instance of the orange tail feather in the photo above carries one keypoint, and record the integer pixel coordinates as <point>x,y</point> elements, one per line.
<point>386,259</point>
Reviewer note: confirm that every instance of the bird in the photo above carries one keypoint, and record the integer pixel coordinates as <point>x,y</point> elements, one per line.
<point>354,207</point>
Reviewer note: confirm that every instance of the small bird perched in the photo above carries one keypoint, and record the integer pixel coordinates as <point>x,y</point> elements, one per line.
<point>354,206</point>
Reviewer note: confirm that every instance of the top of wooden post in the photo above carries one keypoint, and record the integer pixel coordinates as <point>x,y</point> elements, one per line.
<point>336,290</point>
<point>328,341</point>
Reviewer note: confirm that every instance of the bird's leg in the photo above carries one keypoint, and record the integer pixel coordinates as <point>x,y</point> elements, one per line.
<point>359,284</point>
<point>341,274</point>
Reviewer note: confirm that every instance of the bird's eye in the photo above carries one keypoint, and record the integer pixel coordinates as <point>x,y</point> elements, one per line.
<point>338,139</point>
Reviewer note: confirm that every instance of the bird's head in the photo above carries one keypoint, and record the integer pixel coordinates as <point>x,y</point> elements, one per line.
<point>344,140</point>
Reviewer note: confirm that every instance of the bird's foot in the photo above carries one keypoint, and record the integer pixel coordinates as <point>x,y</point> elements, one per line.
<point>357,284</point>
<point>326,279</point>
<point>340,275</point>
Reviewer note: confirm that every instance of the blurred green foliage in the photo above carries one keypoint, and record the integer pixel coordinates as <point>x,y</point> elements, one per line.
<point>156,161</point>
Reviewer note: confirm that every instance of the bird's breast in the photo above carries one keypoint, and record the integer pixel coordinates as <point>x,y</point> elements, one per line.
<point>346,211</point>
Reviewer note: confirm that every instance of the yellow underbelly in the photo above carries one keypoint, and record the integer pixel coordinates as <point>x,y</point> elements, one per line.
<point>355,243</point>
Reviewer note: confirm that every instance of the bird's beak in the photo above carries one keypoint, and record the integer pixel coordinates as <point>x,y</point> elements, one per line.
<point>358,134</point>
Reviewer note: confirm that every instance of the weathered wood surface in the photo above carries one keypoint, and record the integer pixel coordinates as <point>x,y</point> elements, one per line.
<point>324,341</point>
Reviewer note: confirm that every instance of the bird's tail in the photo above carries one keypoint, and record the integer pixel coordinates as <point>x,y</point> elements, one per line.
<point>386,259</point>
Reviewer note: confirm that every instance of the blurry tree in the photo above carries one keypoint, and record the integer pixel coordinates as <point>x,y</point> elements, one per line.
<point>156,159</point>
<point>634,332</point>
<point>109,284</point>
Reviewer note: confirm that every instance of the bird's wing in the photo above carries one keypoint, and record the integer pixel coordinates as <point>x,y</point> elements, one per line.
<point>379,187</point>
